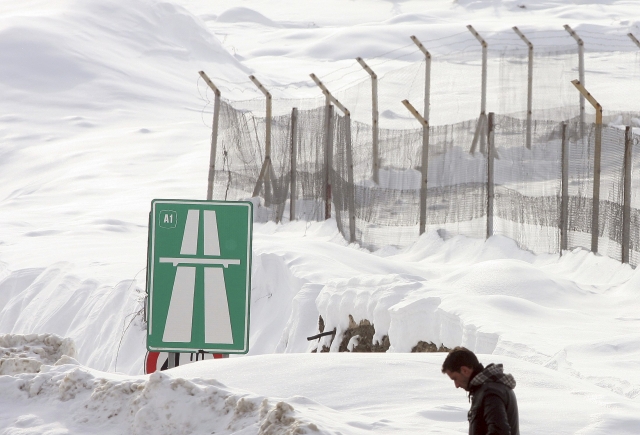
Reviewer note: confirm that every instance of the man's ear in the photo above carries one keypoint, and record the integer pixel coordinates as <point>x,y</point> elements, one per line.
<point>466,371</point>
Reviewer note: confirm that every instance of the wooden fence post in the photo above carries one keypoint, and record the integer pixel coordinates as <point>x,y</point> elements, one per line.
<point>294,157</point>
<point>626,210</point>
<point>564,204</point>
<point>424,170</point>
<point>214,134</point>
<point>481,127</point>
<point>350,194</point>
<point>374,118</point>
<point>490,180</point>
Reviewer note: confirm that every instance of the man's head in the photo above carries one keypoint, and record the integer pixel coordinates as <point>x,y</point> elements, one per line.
<point>460,365</point>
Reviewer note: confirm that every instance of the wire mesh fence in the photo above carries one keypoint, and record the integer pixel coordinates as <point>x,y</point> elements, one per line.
<point>334,159</point>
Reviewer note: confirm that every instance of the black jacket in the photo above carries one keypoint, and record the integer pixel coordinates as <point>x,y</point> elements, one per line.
<point>494,409</point>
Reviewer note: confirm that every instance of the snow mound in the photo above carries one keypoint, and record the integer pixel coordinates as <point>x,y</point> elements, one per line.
<point>85,401</point>
<point>27,353</point>
<point>94,316</point>
<point>242,14</point>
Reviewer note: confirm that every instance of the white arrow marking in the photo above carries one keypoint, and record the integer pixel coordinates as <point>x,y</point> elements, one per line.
<point>217,323</point>
<point>180,315</point>
<point>211,241</point>
<point>190,237</point>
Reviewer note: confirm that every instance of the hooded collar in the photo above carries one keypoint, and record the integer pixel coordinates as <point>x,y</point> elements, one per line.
<point>491,373</point>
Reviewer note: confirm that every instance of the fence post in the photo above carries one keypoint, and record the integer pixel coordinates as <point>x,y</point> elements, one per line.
<point>580,74</point>
<point>328,156</point>
<point>425,165</point>
<point>294,156</point>
<point>626,210</point>
<point>214,133</point>
<point>490,160</point>
<point>595,228</point>
<point>424,120</point>
<point>634,39</point>
<point>374,116</point>
<point>267,168</point>
<point>481,127</point>
<point>564,205</point>
<point>350,194</point>
<point>529,84</point>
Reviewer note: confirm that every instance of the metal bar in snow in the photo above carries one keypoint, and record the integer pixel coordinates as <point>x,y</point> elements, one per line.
<point>214,133</point>
<point>529,85</point>
<point>375,118</point>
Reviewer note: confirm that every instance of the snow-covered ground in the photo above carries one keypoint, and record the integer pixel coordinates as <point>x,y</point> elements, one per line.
<point>103,110</point>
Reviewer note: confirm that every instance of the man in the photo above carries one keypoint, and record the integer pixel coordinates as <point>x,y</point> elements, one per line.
<point>494,409</point>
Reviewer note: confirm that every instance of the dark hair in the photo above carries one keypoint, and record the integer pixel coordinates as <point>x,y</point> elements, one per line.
<point>459,357</point>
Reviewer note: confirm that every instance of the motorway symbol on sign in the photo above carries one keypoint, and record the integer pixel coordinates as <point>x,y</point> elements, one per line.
<point>199,276</point>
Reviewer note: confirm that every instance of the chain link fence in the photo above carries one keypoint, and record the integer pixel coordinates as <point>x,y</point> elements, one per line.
<point>333,161</point>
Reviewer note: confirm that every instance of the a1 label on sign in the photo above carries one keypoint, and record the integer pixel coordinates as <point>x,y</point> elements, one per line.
<point>167,219</point>
<point>199,278</point>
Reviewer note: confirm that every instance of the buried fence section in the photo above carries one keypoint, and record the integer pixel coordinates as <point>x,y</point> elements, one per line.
<point>634,218</point>
<point>528,183</point>
<point>294,164</point>
<point>582,154</point>
<point>611,192</point>
<point>241,158</point>
<point>388,213</point>
<point>310,165</point>
<point>580,208</point>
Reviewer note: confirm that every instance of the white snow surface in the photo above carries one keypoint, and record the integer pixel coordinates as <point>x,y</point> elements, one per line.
<point>102,111</point>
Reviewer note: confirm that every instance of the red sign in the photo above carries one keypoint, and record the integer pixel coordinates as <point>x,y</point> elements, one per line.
<point>158,361</point>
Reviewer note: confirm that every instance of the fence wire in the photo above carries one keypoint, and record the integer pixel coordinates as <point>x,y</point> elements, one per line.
<point>527,182</point>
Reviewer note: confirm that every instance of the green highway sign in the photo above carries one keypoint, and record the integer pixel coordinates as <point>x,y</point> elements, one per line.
<point>199,276</point>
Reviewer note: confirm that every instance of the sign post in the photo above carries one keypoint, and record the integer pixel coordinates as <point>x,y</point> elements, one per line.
<point>199,277</point>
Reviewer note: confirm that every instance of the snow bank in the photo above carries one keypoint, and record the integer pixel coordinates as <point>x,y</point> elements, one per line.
<point>27,353</point>
<point>69,398</point>
<point>104,322</point>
